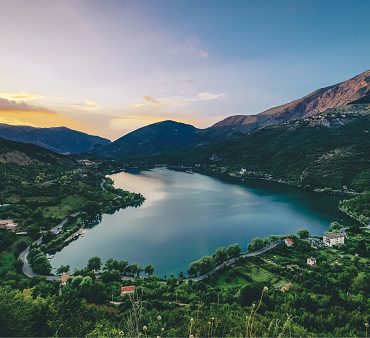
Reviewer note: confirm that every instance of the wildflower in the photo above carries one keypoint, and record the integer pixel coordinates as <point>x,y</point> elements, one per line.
<point>145,328</point>
<point>158,336</point>
<point>159,318</point>
<point>191,319</point>
<point>121,333</point>
<point>191,336</point>
<point>265,289</point>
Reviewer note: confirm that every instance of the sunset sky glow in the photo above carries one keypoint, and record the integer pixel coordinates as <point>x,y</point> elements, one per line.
<point>109,67</point>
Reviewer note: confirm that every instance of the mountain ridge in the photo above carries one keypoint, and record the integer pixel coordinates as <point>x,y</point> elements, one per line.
<point>340,94</point>
<point>59,139</point>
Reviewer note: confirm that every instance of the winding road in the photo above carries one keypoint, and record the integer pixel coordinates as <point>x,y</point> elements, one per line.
<point>26,268</point>
<point>232,261</point>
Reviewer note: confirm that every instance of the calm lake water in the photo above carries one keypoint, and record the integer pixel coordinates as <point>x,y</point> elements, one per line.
<point>186,216</point>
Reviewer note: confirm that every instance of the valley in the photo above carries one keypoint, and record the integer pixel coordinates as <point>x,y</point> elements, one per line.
<point>185,231</point>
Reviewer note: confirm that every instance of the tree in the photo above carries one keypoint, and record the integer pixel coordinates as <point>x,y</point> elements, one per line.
<point>220,255</point>
<point>205,264</point>
<point>7,238</point>
<point>256,244</point>
<point>362,248</point>
<point>122,266</point>
<point>94,264</point>
<point>233,250</point>
<point>21,245</point>
<point>149,270</point>
<point>335,226</point>
<point>41,265</point>
<point>134,269</point>
<point>303,233</point>
<point>250,293</point>
<point>63,269</point>
<point>111,264</point>
<point>193,269</point>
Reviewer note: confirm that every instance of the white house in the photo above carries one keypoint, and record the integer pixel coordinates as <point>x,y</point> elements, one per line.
<point>333,238</point>
<point>311,261</point>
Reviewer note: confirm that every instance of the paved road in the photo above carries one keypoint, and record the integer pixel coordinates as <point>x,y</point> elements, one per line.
<point>232,261</point>
<point>26,268</point>
<point>102,184</point>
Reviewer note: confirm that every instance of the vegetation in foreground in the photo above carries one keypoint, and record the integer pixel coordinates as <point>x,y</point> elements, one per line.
<point>275,294</point>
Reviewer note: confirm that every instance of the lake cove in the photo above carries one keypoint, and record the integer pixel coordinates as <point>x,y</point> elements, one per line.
<point>186,216</point>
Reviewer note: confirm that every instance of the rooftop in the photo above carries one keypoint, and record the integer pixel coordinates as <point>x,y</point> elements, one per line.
<point>333,234</point>
<point>128,289</point>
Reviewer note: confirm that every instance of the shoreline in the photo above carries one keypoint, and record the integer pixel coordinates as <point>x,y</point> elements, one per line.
<point>223,176</point>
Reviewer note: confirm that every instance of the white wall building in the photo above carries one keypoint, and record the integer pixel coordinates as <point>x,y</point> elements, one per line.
<point>333,238</point>
<point>311,261</point>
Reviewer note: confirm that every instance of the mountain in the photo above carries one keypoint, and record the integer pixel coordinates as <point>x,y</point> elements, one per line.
<point>62,140</point>
<point>169,136</point>
<point>327,150</point>
<point>24,154</point>
<point>153,139</point>
<point>355,90</point>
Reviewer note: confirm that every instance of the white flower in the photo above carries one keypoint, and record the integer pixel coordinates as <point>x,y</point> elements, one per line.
<point>159,318</point>
<point>145,328</point>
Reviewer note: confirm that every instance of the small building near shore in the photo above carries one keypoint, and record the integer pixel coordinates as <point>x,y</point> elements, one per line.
<point>126,290</point>
<point>333,238</point>
<point>288,242</point>
<point>64,279</point>
<point>311,261</point>
<point>8,224</point>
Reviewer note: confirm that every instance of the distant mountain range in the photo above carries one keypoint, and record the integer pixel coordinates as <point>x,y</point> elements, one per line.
<point>170,136</point>
<point>62,140</point>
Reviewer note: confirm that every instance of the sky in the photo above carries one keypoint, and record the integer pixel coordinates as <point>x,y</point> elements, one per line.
<point>109,67</point>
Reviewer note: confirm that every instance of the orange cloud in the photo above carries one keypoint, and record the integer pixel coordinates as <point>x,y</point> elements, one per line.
<point>20,113</point>
<point>23,96</point>
<point>13,106</point>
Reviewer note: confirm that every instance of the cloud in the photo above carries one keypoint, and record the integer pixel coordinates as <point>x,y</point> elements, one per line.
<point>22,96</point>
<point>21,113</point>
<point>88,105</point>
<point>151,99</point>
<point>175,100</point>
<point>13,106</point>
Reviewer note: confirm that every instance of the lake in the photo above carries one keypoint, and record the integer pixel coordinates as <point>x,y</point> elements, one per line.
<point>186,216</point>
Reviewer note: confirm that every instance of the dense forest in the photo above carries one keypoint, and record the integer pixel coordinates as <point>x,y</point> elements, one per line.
<point>329,152</point>
<point>274,294</point>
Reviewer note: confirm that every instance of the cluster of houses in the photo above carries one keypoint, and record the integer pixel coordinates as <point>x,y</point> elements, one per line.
<point>329,239</point>
<point>87,163</point>
<point>8,224</point>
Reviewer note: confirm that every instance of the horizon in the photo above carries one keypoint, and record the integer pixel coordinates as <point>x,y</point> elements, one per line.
<point>84,65</point>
